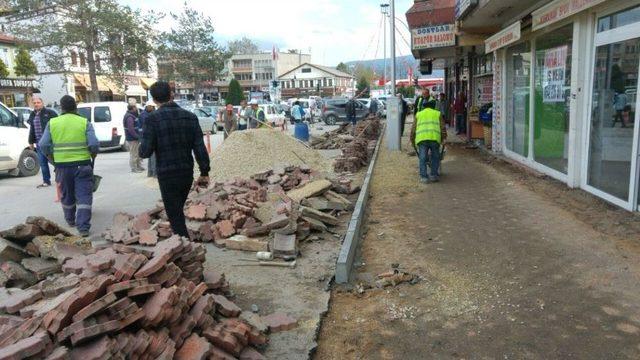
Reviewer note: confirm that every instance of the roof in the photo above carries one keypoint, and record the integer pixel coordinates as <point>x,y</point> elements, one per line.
<point>326,69</point>
<point>7,39</point>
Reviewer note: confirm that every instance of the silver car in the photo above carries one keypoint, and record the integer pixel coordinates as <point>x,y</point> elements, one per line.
<point>207,121</point>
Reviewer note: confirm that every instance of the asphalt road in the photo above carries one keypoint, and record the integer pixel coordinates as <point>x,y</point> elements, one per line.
<point>120,190</point>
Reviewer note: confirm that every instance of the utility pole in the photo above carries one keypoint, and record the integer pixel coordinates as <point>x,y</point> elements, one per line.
<point>384,8</point>
<point>394,107</point>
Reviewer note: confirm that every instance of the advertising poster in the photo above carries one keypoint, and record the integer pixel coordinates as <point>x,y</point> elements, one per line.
<point>553,80</point>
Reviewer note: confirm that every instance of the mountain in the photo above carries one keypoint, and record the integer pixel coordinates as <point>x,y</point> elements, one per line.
<point>403,63</point>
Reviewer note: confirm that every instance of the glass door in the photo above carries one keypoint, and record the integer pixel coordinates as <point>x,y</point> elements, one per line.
<point>613,136</point>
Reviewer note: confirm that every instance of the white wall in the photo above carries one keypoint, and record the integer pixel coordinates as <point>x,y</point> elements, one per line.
<point>55,86</point>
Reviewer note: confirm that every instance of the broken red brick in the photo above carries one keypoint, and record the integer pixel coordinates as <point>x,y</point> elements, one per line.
<point>143,290</point>
<point>153,265</point>
<point>194,348</point>
<point>148,237</point>
<point>280,322</point>
<point>141,222</point>
<point>196,212</point>
<point>226,307</point>
<point>27,347</point>
<point>250,353</point>
<point>226,228</point>
<point>219,354</point>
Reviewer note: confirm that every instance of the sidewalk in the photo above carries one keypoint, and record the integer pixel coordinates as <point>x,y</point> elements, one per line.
<point>512,268</point>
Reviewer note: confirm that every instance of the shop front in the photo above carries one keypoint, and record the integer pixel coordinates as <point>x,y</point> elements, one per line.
<point>17,92</point>
<point>565,90</point>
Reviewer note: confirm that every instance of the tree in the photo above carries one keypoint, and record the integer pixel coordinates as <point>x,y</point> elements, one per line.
<point>407,91</point>
<point>235,94</point>
<point>192,50</point>
<point>111,37</point>
<point>24,66</point>
<point>343,67</point>
<point>4,72</point>
<point>362,88</point>
<point>242,46</point>
<point>365,72</point>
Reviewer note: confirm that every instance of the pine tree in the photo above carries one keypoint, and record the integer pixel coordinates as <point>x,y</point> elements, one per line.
<point>363,87</point>
<point>24,65</point>
<point>4,72</point>
<point>235,94</point>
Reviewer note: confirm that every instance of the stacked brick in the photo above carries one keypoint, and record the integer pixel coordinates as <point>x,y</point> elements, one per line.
<point>357,148</point>
<point>255,214</point>
<point>129,302</point>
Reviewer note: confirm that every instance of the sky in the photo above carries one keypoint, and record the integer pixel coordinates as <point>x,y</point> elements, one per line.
<point>331,30</point>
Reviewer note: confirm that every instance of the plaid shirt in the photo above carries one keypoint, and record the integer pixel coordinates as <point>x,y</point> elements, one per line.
<point>173,133</point>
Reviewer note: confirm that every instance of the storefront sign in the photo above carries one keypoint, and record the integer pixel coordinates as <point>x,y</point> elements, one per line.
<point>505,37</point>
<point>433,36</point>
<point>463,7</point>
<point>555,61</point>
<point>17,83</point>
<point>484,90</point>
<point>558,10</point>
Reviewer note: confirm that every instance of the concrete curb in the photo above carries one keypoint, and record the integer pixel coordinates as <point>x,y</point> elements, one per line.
<point>352,237</point>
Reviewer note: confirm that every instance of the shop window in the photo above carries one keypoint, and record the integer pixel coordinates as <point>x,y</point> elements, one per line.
<point>518,94</point>
<point>612,120</point>
<point>101,114</point>
<point>552,99</point>
<point>619,19</point>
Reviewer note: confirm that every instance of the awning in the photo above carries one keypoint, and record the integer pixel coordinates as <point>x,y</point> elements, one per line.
<point>106,84</point>
<point>135,90</point>
<point>82,80</point>
<point>147,82</point>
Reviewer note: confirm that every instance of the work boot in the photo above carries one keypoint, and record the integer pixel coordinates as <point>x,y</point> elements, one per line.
<point>424,180</point>
<point>84,233</point>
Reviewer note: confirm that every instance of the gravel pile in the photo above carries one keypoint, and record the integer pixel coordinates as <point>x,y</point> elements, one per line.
<point>246,153</point>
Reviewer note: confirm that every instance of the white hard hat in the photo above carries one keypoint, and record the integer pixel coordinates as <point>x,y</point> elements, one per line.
<point>150,103</point>
<point>253,102</point>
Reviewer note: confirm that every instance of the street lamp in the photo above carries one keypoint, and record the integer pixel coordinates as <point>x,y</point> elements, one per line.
<point>384,9</point>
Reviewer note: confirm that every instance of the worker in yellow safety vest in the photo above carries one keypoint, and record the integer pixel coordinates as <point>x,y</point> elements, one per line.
<point>70,143</point>
<point>422,100</point>
<point>427,134</point>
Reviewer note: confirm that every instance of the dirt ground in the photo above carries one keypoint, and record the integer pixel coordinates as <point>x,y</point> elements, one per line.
<point>512,266</point>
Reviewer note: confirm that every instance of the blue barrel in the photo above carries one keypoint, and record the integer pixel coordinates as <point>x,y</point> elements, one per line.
<point>301,131</point>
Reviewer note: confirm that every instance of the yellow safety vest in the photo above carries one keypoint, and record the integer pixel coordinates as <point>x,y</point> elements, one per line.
<point>69,138</point>
<point>428,126</point>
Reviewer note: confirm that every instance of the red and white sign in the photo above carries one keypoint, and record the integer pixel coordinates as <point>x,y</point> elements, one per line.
<point>503,38</point>
<point>558,10</point>
<point>433,36</point>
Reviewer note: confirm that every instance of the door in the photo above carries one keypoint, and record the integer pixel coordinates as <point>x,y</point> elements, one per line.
<point>13,139</point>
<point>613,135</point>
<point>102,123</point>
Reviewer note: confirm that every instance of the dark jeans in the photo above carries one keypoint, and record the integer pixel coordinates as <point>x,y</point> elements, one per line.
<point>403,119</point>
<point>351,118</point>
<point>429,153</point>
<point>242,127</point>
<point>461,126</point>
<point>174,193</point>
<point>77,194</point>
<point>44,167</point>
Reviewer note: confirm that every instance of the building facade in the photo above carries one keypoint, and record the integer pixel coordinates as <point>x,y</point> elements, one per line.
<point>564,84</point>
<point>309,79</point>
<point>71,76</point>
<point>14,90</point>
<point>256,72</point>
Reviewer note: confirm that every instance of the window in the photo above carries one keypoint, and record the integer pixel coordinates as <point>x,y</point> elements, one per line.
<point>310,83</point>
<point>101,114</point>
<point>552,81</point>
<point>7,118</point>
<point>85,113</point>
<point>619,19</point>
<point>74,58</point>
<point>306,70</point>
<point>330,82</point>
<point>518,93</point>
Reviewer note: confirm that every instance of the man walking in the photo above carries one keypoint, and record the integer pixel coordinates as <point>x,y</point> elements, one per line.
<point>350,109</point>
<point>70,142</point>
<point>132,136</point>
<point>459,107</point>
<point>173,135</point>
<point>38,120</point>
<point>427,133</point>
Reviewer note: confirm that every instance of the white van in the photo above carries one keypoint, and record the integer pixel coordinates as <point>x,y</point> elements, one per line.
<point>15,155</point>
<point>106,118</point>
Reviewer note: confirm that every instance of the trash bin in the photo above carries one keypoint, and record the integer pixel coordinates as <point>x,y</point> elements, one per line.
<point>301,132</point>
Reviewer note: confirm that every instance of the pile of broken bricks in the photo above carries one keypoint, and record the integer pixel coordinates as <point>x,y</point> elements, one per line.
<point>357,148</point>
<point>272,211</point>
<point>120,301</point>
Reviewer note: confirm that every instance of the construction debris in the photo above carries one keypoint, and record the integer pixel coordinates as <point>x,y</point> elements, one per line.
<point>245,153</point>
<point>126,301</point>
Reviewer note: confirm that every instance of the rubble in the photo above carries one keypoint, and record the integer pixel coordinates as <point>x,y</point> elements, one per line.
<point>124,301</point>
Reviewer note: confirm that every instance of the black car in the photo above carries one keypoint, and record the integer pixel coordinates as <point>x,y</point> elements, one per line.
<point>334,111</point>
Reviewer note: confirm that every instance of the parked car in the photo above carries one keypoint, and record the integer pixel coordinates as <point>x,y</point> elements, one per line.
<point>271,113</point>
<point>107,118</point>
<point>334,111</point>
<point>367,103</point>
<point>207,120</point>
<point>15,156</point>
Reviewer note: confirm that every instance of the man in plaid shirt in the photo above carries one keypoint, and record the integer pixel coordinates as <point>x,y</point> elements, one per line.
<point>174,134</point>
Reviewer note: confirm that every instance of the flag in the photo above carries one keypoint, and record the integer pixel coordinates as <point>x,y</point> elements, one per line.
<point>410,73</point>
<point>382,81</point>
<point>274,53</point>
